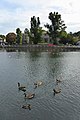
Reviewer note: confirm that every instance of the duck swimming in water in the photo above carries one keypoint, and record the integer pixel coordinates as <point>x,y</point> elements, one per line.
<point>20,87</point>
<point>58,81</point>
<point>56,91</point>
<point>28,106</point>
<point>38,83</point>
<point>29,96</point>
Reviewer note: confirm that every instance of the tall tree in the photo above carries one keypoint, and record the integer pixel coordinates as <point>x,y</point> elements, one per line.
<point>36,30</point>
<point>19,36</point>
<point>56,26</point>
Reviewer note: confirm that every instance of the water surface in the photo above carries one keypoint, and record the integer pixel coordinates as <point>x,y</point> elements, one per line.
<point>29,67</point>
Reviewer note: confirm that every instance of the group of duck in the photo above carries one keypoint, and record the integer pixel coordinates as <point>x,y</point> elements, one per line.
<point>32,95</point>
<point>28,95</point>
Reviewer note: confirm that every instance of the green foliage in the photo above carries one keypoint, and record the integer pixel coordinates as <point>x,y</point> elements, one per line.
<point>36,30</point>
<point>56,26</point>
<point>63,34</point>
<point>70,38</point>
<point>19,36</point>
<point>26,31</point>
<point>63,37</point>
<point>11,38</point>
<point>75,40</point>
<point>3,36</point>
<point>76,34</point>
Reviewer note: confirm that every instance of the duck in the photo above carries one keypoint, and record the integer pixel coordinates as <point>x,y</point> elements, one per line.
<point>58,81</point>
<point>56,91</point>
<point>20,87</point>
<point>38,83</point>
<point>28,106</point>
<point>29,96</point>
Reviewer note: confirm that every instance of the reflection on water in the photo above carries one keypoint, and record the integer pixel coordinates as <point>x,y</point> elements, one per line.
<point>29,67</point>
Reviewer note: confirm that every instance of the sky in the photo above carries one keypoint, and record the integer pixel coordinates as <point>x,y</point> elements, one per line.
<point>17,13</point>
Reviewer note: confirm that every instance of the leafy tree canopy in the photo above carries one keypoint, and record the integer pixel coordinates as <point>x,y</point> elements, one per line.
<point>11,38</point>
<point>3,36</point>
<point>56,26</point>
<point>19,36</point>
<point>36,30</point>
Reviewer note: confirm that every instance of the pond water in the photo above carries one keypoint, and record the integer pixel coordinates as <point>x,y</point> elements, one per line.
<point>29,67</point>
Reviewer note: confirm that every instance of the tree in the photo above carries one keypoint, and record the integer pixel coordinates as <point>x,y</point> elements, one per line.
<point>11,38</point>
<point>63,37</point>
<point>2,36</point>
<point>76,37</point>
<point>19,36</point>
<point>70,38</point>
<point>56,26</point>
<point>35,30</point>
